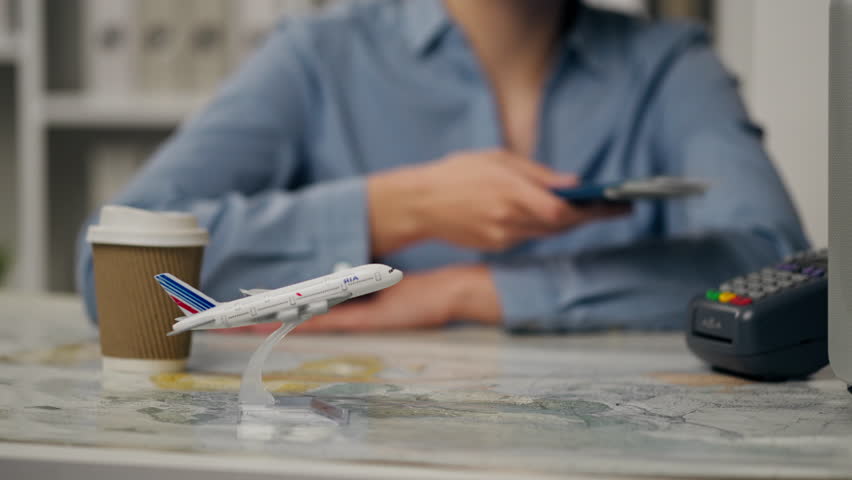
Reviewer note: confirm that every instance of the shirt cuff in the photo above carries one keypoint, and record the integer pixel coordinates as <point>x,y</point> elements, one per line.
<point>342,224</point>
<point>529,300</point>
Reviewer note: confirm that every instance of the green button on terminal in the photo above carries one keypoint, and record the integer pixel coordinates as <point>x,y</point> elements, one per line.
<point>712,295</point>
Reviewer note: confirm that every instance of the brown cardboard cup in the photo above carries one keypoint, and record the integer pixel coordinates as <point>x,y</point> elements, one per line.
<point>129,247</point>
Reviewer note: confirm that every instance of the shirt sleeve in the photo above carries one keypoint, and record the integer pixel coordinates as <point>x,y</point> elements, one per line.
<point>745,221</point>
<point>237,165</point>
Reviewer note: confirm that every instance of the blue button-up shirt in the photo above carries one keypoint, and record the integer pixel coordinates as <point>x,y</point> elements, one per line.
<point>275,165</point>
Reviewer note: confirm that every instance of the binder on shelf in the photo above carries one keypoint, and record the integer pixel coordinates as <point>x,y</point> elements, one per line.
<point>5,19</point>
<point>296,8</point>
<point>10,18</point>
<point>253,20</point>
<point>682,8</point>
<point>14,9</point>
<point>109,34</point>
<point>111,167</point>
<point>161,61</point>
<point>206,39</point>
<point>326,4</point>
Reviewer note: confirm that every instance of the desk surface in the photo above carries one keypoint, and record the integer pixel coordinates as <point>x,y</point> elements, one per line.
<point>470,402</point>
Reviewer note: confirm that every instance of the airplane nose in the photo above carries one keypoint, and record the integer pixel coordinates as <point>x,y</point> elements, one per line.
<point>396,275</point>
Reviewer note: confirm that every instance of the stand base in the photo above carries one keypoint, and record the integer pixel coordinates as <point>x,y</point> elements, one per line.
<point>294,419</point>
<point>305,408</point>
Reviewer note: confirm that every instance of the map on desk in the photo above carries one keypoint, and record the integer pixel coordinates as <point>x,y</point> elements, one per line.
<point>464,398</point>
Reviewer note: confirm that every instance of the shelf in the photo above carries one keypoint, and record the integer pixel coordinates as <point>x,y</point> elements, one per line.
<point>8,50</point>
<point>83,111</point>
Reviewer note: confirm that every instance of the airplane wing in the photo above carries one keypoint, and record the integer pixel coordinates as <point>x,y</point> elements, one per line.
<point>338,300</point>
<point>252,291</point>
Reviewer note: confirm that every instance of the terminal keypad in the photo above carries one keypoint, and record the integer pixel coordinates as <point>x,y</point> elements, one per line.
<point>794,271</point>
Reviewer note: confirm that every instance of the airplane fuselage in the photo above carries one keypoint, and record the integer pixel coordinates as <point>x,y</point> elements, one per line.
<point>294,302</point>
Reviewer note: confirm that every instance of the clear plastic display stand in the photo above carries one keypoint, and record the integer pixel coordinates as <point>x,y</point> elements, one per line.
<point>257,404</point>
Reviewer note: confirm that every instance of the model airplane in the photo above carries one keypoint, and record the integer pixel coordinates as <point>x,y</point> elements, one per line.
<point>298,302</point>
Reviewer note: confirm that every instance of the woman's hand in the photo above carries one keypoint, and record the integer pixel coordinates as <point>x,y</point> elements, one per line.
<point>489,200</point>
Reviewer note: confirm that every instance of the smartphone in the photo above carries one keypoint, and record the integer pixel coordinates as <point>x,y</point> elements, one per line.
<point>626,191</point>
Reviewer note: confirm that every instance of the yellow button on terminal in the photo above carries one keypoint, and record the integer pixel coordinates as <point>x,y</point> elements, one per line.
<point>726,297</point>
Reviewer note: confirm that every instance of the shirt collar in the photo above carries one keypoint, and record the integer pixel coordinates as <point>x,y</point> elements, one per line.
<point>427,20</point>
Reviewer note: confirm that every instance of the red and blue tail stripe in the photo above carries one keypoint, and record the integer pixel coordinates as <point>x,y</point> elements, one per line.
<point>190,300</point>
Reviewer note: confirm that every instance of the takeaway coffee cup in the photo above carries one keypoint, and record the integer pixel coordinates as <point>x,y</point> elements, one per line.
<point>129,247</point>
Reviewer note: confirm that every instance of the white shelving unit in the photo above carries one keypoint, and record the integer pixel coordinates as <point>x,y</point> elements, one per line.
<point>30,249</point>
<point>50,124</point>
<point>785,83</point>
<point>43,242</point>
<point>8,145</point>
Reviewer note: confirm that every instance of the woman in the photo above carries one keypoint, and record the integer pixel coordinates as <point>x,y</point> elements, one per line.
<point>427,135</point>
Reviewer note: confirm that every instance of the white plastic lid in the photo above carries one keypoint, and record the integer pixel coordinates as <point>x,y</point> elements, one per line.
<point>121,225</point>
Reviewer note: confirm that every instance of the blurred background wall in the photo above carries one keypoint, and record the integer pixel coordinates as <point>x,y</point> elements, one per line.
<point>89,88</point>
<point>779,49</point>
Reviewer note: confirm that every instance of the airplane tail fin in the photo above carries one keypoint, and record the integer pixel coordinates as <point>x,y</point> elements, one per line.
<point>190,300</point>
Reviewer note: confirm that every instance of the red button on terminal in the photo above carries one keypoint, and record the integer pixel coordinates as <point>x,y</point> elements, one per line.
<point>741,301</point>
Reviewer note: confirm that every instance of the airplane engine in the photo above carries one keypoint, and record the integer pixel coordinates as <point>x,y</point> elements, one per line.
<point>287,315</point>
<point>317,308</point>
<point>313,309</point>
